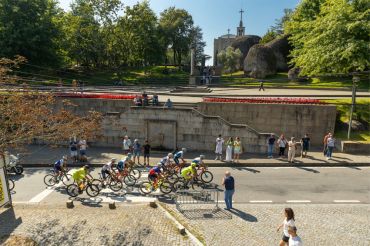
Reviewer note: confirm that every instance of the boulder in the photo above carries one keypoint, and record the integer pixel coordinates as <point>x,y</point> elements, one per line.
<point>293,75</point>
<point>244,44</point>
<point>281,48</point>
<point>260,62</point>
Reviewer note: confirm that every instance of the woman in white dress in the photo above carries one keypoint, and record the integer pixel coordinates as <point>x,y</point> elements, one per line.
<point>219,143</point>
<point>229,150</point>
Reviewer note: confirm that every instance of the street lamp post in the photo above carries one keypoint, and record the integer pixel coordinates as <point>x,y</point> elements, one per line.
<point>355,80</point>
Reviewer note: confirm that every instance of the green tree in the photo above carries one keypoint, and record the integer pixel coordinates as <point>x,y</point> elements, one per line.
<point>176,27</point>
<point>269,36</point>
<point>333,41</point>
<point>27,28</point>
<point>198,43</point>
<point>229,59</point>
<point>277,29</point>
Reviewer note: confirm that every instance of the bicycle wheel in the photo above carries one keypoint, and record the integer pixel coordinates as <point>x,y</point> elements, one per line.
<point>67,179</point>
<point>166,187</point>
<point>173,178</point>
<point>179,185</point>
<point>50,180</point>
<point>11,184</point>
<point>136,173</point>
<point>92,190</point>
<point>146,187</point>
<point>115,185</point>
<point>197,186</point>
<point>206,177</point>
<point>129,180</point>
<point>98,183</point>
<point>18,169</point>
<point>72,190</point>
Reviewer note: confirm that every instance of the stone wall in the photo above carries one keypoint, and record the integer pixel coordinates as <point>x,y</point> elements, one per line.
<point>292,120</point>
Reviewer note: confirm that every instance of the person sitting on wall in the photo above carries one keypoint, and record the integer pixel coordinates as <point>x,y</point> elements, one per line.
<point>145,99</point>
<point>168,104</point>
<point>138,101</point>
<point>155,100</point>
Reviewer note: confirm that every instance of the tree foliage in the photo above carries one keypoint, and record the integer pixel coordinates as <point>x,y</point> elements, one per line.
<point>229,59</point>
<point>330,36</point>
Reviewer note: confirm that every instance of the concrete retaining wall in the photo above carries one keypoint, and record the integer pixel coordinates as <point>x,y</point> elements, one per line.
<point>292,120</point>
<point>351,147</point>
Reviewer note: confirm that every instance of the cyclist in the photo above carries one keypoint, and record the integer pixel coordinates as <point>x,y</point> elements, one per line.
<point>189,172</point>
<point>179,155</point>
<point>59,166</point>
<point>79,176</point>
<point>123,164</point>
<point>107,169</point>
<point>166,160</point>
<point>155,173</point>
<point>199,161</point>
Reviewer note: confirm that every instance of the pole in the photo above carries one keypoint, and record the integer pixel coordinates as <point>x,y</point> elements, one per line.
<point>355,79</point>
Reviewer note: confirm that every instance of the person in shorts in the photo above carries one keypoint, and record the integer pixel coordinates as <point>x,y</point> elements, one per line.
<point>305,142</point>
<point>137,151</point>
<point>73,147</point>
<point>288,222</point>
<point>146,148</point>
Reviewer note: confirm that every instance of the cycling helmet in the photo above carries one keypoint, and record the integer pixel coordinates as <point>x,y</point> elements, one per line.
<point>65,157</point>
<point>113,159</point>
<point>201,157</point>
<point>86,166</point>
<point>183,150</point>
<point>193,164</point>
<point>170,155</point>
<point>159,164</point>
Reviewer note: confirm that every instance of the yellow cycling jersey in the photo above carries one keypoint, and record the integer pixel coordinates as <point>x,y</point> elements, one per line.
<point>79,174</point>
<point>188,170</point>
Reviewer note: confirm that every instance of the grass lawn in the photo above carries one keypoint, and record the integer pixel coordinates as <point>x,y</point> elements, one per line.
<point>361,113</point>
<point>281,80</point>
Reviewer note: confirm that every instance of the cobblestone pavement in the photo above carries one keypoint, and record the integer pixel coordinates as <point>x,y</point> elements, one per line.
<point>256,224</point>
<point>127,225</point>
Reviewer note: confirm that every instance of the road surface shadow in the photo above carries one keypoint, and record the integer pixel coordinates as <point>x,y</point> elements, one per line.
<point>206,214</point>
<point>307,169</point>
<point>246,169</point>
<point>9,223</point>
<point>243,215</point>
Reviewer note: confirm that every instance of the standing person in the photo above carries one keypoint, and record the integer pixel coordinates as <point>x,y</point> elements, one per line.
<point>126,145</point>
<point>229,149</point>
<point>330,145</point>
<point>146,153</point>
<point>294,239</point>
<point>288,221</point>
<point>270,145</point>
<point>155,101</point>
<point>292,144</point>
<point>137,151</point>
<point>237,149</point>
<point>305,142</point>
<point>83,146</point>
<point>282,142</point>
<point>261,86</point>
<point>229,183</point>
<point>73,147</point>
<point>326,143</point>
<point>219,142</point>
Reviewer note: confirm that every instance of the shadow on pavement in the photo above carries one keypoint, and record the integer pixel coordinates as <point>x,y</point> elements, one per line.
<point>208,214</point>
<point>246,169</point>
<point>243,215</point>
<point>9,223</point>
<point>307,169</point>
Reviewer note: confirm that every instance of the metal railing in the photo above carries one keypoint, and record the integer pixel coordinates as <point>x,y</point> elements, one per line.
<point>203,197</point>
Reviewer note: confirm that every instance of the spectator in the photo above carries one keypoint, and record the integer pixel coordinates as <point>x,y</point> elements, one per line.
<point>145,99</point>
<point>229,183</point>
<point>305,142</point>
<point>292,148</point>
<point>294,239</point>
<point>168,104</point>
<point>282,142</point>
<point>137,151</point>
<point>146,153</point>
<point>138,101</point>
<point>219,142</point>
<point>237,149</point>
<point>261,86</point>
<point>126,145</point>
<point>326,143</point>
<point>288,221</point>
<point>74,85</point>
<point>330,146</point>
<point>73,147</point>
<point>229,149</point>
<point>270,145</point>
<point>83,146</point>
<point>155,101</point>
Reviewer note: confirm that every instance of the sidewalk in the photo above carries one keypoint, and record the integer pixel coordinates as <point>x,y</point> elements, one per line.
<point>36,155</point>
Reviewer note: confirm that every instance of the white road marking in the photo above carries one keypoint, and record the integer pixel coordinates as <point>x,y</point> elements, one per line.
<point>262,201</point>
<point>298,201</point>
<point>346,201</point>
<point>127,199</point>
<point>42,195</point>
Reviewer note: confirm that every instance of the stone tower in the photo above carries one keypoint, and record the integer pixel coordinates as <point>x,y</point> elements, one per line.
<point>240,29</point>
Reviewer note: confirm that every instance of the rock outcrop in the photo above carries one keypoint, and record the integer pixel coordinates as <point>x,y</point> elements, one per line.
<point>281,48</point>
<point>260,62</point>
<point>244,44</point>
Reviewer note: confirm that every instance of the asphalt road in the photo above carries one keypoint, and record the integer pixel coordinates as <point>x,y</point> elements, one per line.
<point>325,185</point>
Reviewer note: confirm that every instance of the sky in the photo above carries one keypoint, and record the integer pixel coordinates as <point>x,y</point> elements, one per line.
<point>216,16</point>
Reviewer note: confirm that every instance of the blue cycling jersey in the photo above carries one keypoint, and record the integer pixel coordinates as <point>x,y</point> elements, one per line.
<point>155,170</point>
<point>121,165</point>
<point>59,163</point>
<point>179,154</point>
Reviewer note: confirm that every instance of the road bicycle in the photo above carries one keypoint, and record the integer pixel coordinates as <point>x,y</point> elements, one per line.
<point>91,189</point>
<point>11,184</point>
<point>126,177</point>
<point>186,184</point>
<point>112,182</point>
<point>163,184</point>
<point>53,178</point>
